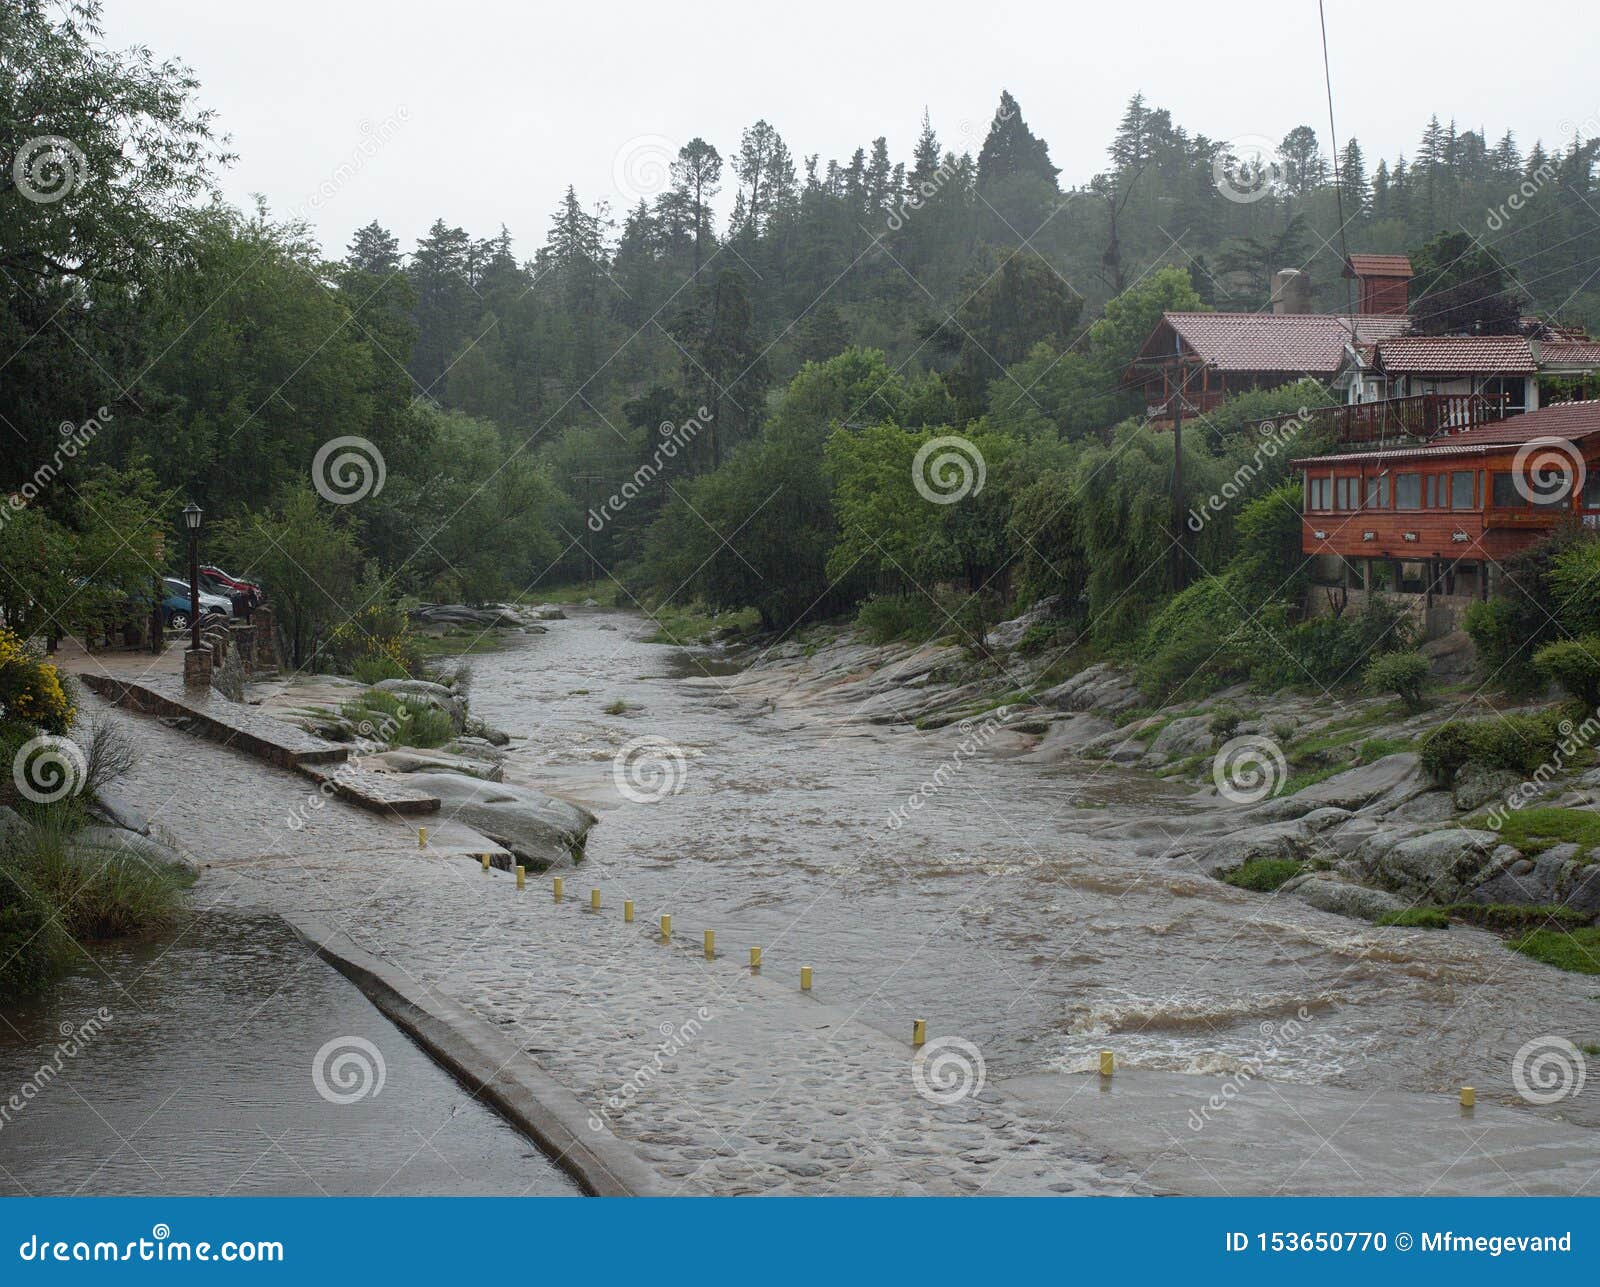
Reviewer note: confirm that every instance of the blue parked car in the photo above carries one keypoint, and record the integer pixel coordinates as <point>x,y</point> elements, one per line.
<point>175,610</point>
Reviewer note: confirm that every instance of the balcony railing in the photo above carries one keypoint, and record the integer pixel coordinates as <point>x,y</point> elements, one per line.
<point>1423,416</point>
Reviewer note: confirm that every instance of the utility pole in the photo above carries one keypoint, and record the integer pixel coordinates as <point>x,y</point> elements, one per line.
<point>1180,559</point>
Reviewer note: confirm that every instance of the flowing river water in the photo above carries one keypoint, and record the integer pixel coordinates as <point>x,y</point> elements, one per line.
<point>994,911</point>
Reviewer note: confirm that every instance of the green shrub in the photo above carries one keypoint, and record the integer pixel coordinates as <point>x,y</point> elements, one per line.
<point>1516,743</point>
<point>1575,665</point>
<point>888,617</point>
<point>1224,723</point>
<point>375,667</point>
<point>1263,874</point>
<point>33,946</point>
<point>1574,574</point>
<point>1528,610</point>
<point>1193,643</point>
<point>1400,673</point>
<point>397,720</point>
<point>1416,918</point>
<point>1330,650</point>
<point>1575,950</point>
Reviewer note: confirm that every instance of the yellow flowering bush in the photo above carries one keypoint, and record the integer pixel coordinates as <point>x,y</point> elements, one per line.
<point>31,691</point>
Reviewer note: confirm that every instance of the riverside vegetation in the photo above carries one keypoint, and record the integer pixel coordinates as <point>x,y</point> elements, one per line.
<point>819,382</point>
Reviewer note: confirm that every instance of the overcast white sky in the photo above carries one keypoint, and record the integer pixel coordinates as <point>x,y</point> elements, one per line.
<point>487,110</point>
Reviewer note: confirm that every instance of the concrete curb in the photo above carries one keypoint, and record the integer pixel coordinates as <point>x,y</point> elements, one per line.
<point>493,1069</point>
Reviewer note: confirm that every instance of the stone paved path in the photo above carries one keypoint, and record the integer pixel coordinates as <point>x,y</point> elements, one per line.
<point>724,1081</point>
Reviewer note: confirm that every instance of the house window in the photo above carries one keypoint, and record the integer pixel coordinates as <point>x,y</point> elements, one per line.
<point>1591,490</point>
<point>1347,493</point>
<point>1432,491</point>
<point>1506,493</point>
<point>1408,491</point>
<point>1508,393</point>
<point>1378,492</point>
<point>1319,492</point>
<point>1461,489</point>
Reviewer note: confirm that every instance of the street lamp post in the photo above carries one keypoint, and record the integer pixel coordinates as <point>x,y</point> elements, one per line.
<point>191,519</point>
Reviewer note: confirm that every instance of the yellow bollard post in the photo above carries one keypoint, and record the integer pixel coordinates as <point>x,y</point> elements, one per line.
<point>627,911</point>
<point>594,900</point>
<point>1108,1063</point>
<point>485,858</point>
<point>919,1031</point>
<point>711,945</point>
<point>666,926</point>
<point>1469,1097</point>
<point>555,888</point>
<point>422,837</point>
<point>755,958</point>
<point>522,875</point>
<point>805,978</point>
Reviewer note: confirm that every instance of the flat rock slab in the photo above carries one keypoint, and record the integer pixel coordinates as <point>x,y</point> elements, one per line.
<point>1233,1136</point>
<point>214,716</point>
<point>372,790</point>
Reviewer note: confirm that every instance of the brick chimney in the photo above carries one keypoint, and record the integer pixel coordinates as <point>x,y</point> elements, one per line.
<point>1384,282</point>
<point>1291,291</point>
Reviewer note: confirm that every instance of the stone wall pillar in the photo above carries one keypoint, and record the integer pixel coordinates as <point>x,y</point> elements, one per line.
<point>197,668</point>
<point>244,643</point>
<point>266,638</point>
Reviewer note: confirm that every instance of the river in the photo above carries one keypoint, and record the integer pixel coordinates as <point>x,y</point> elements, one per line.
<point>994,912</point>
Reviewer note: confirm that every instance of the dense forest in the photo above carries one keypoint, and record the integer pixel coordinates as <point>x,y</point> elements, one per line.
<point>717,410</point>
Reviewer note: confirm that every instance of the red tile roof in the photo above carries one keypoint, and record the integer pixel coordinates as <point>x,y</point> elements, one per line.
<point>1301,342</point>
<point>1584,353</point>
<point>1377,266</point>
<point>1457,355</point>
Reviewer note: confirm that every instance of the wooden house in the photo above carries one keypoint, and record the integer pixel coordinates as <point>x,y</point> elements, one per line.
<point>1441,516</point>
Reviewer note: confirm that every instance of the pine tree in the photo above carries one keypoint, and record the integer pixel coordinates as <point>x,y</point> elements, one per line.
<point>1353,180</point>
<point>696,179</point>
<point>925,156</point>
<point>373,250</point>
<point>1011,148</point>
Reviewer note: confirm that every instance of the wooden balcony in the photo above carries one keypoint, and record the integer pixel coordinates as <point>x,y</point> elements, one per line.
<point>1424,416</point>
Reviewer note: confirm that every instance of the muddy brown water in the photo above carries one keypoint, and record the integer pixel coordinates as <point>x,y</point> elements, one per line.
<point>993,912</point>
<point>184,1065</point>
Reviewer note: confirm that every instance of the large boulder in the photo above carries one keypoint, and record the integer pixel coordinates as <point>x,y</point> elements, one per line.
<point>1439,866</point>
<point>1008,634</point>
<point>404,759</point>
<point>1190,735</point>
<point>547,612</point>
<point>1552,878</point>
<point>1389,779</point>
<point>435,695</point>
<point>1331,892</point>
<point>1275,840</point>
<point>541,831</point>
<point>1101,688</point>
<point>1477,785</point>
